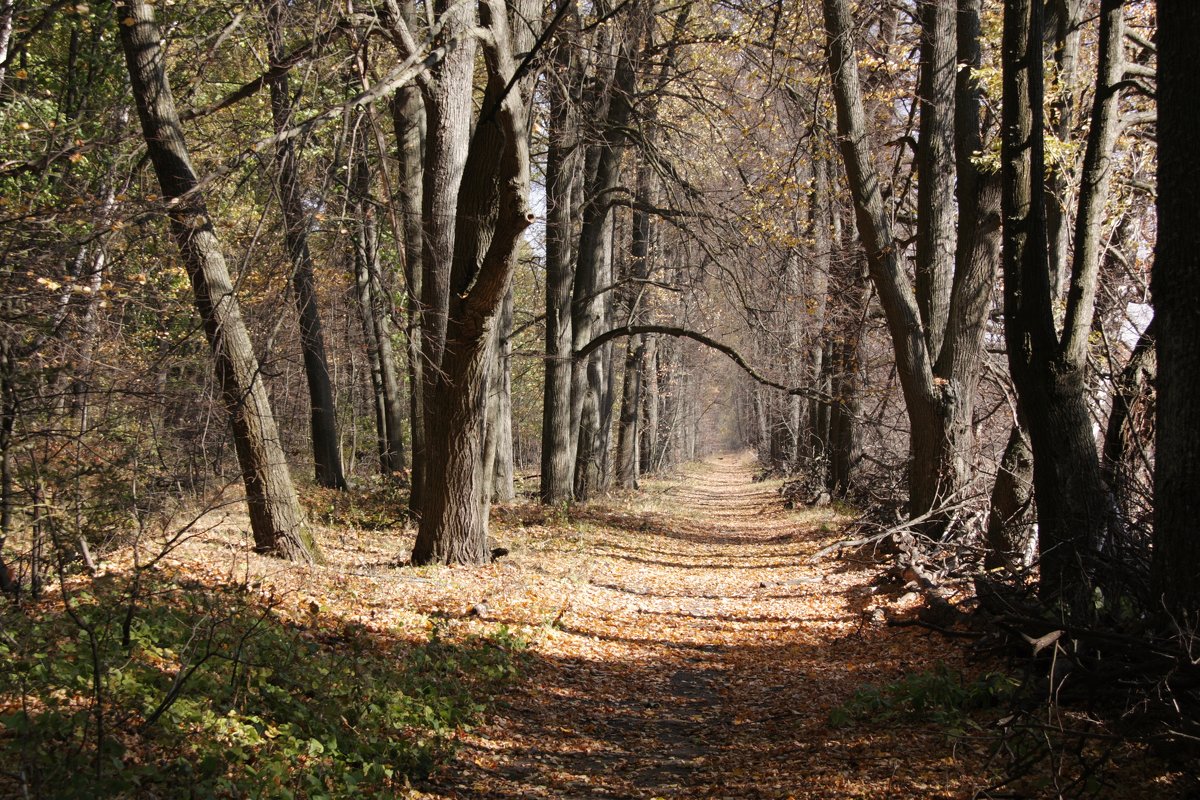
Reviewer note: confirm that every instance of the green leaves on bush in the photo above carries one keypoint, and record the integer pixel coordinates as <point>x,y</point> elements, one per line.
<point>216,696</point>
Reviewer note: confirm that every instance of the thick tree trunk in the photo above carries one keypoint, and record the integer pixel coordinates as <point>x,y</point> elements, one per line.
<point>467,276</point>
<point>275,516</point>
<point>323,414</point>
<point>1074,509</point>
<point>1176,287</point>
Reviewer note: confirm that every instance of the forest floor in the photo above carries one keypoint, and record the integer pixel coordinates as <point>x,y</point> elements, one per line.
<point>680,642</point>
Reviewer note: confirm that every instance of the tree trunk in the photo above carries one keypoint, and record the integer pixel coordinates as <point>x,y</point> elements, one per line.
<point>1176,288</point>
<point>468,273</point>
<point>503,490</point>
<point>375,306</point>
<point>1074,509</point>
<point>558,459</point>
<point>323,414</point>
<point>275,516</point>
<point>935,168</point>
<point>649,456</point>
<point>408,125</point>
<point>1009,529</point>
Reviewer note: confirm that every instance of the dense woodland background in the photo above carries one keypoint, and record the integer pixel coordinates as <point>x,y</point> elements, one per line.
<point>453,253</point>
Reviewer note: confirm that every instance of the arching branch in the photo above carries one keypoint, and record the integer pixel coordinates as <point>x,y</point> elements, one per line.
<point>707,341</point>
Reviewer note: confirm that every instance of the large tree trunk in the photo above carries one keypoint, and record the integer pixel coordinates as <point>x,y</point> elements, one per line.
<point>275,516</point>
<point>323,415</point>
<point>1074,509</point>
<point>468,273</point>
<point>1176,287</point>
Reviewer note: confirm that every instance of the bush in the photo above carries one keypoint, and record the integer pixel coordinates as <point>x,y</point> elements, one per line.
<point>209,693</point>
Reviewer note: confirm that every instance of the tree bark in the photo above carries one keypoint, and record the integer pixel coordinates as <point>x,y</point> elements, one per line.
<point>327,457</point>
<point>1176,289</point>
<point>558,459</point>
<point>938,395</point>
<point>467,277</point>
<point>408,125</point>
<point>1074,508</point>
<point>503,490</point>
<point>275,516</point>
<point>1010,525</point>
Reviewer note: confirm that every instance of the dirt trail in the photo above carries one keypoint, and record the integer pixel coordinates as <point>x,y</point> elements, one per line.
<point>698,654</point>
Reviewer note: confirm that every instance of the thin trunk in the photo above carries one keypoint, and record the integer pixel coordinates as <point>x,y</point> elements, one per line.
<point>323,414</point>
<point>649,432</point>
<point>275,516</point>
<point>557,465</point>
<point>503,490</point>
<point>375,306</point>
<point>408,125</point>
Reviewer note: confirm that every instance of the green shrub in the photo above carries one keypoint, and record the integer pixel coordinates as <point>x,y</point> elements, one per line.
<point>939,696</point>
<point>213,695</point>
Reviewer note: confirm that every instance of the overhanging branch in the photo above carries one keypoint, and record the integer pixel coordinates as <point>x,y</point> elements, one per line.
<point>707,341</point>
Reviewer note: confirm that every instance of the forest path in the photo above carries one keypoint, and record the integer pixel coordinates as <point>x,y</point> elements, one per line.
<point>698,652</point>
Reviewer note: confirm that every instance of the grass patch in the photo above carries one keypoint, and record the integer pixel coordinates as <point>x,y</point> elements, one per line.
<point>213,693</point>
<point>939,696</point>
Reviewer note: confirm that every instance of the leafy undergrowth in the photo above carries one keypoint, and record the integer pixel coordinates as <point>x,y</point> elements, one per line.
<point>220,692</point>
<point>682,642</point>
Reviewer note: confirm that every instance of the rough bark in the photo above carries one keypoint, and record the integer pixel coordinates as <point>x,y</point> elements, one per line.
<point>327,456</point>
<point>938,394</point>
<point>1176,289</point>
<point>558,459</point>
<point>935,167</point>
<point>275,516</point>
<point>1010,525</point>
<point>1074,509</point>
<point>466,280</point>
